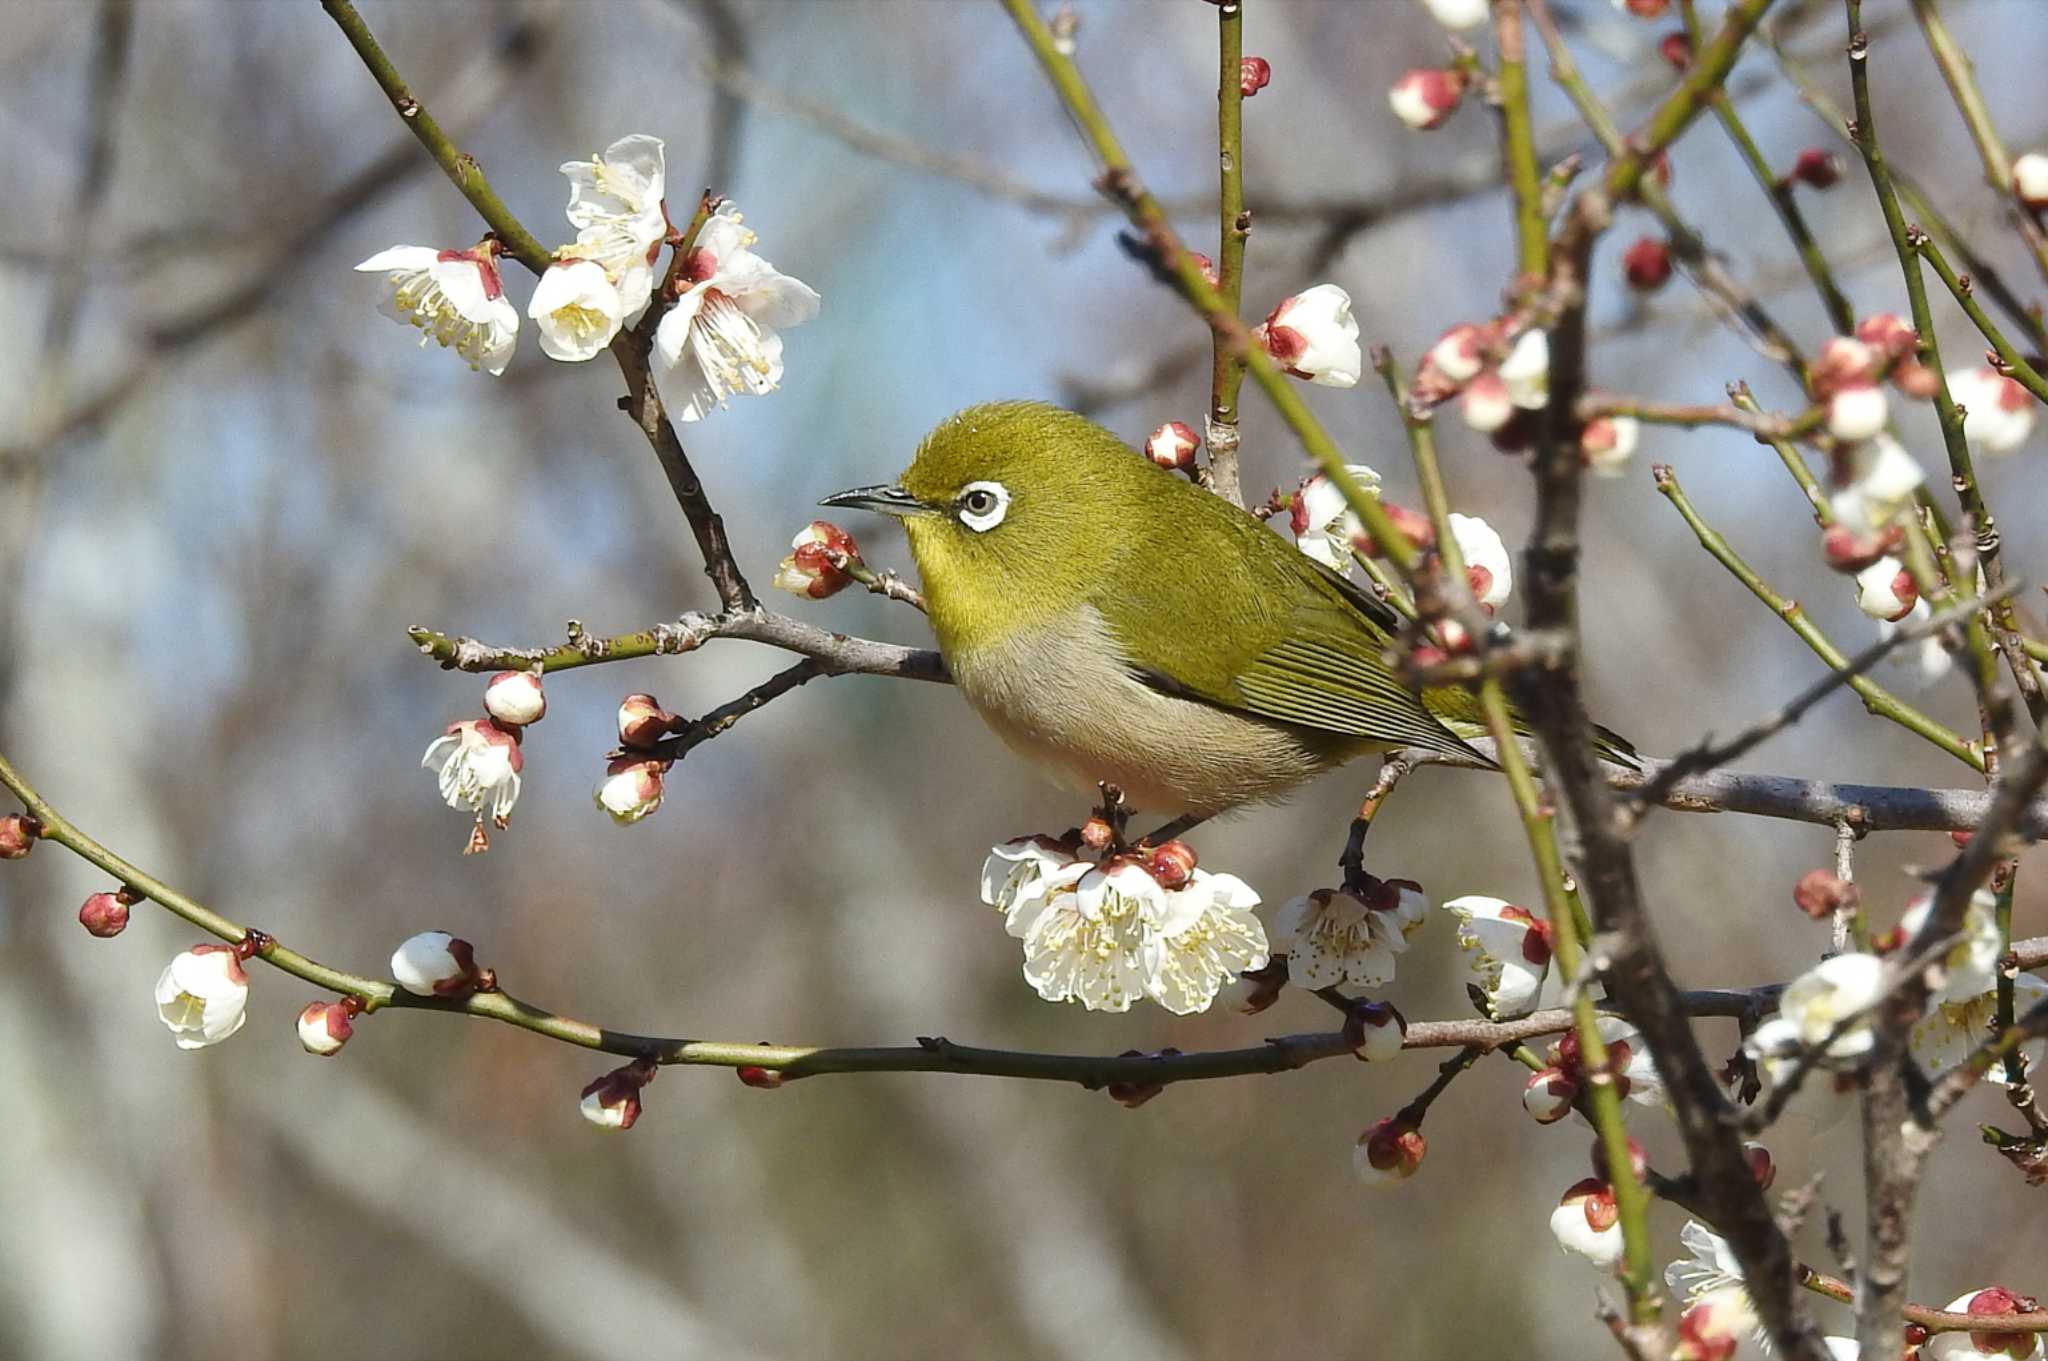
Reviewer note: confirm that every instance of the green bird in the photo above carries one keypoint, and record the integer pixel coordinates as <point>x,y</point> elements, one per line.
<point>1114,623</point>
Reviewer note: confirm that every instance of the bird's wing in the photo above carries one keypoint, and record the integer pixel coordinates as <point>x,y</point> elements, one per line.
<point>1304,646</point>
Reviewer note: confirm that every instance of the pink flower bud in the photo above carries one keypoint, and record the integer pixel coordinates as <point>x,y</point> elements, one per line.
<point>643,722</point>
<point>1376,1030</point>
<point>105,914</point>
<point>1816,168</point>
<point>1888,334</point>
<point>1253,74</point>
<point>1172,864</point>
<point>1643,9</point>
<point>2030,180</point>
<point>1676,49</point>
<point>1843,362</point>
<point>436,964</point>
<point>18,833</point>
<point>1389,1151</point>
<point>1647,264</point>
<point>1989,1304</point>
<point>1761,1165</point>
<point>1820,894</point>
<point>613,1101</point>
<point>762,1079</point>
<point>1548,1095</point>
<point>1608,443</point>
<point>631,790</point>
<point>513,699</point>
<point>1848,551</point>
<point>1426,97</point>
<point>324,1026</point>
<point>1460,353</point>
<point>1857,411</point>
<point>1916,380</point>
<point>812,568</point>
<point>1484,403</point>
<point>1172,446</point>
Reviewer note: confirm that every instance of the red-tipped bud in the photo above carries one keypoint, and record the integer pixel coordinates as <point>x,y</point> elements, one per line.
<point>1843,362</point>
<point>1848,551</point>
<point>1888,334</point>
<point>1647,264</point>
<point>764,1079</point>
<point>1548,1096</point>
<point>1536,945</point>
<point>1916,380</point>
<point>1961,839</point>
<point>324,1027</point>
<point>1816,169</point>
<point>1426,97</point>
<point>1172,446</point>
<point>2030,180</point>
<point>1676,49</point>
<point>1208,268</point>
<point>643,722</point>
<point>631,789</point>
<point>1460,353</point>
<point>1389,1151</point>
<point>1820,894</point>
<point>1253,75</point>
<point>1097,834</point>
<point>18,833</point>
<point>1991,1303</point>
<point>1644,9</point>
<point>812,569</point>
<point>1376,1030</point>
<point>1418,528</point>
<point>436,964</point>
<point>1172,864</point>
<point>1857,411</point>
<point>613,1101</point>
<point>1761,1165</point>
<point>1485,404</point>
<point>1885,590</point>
<point>105,915</point>
<point>1638,1159</point>
<point>513,699</point>
<point>1251,993</point>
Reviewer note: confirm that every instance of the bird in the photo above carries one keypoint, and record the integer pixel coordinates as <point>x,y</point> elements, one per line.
<point>1116,624</point>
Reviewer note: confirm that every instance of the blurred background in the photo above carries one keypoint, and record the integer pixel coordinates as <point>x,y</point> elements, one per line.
<point>227,486</point>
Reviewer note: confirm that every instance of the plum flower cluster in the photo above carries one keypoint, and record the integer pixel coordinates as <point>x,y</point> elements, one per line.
<point>477,761</point>
<point>1328,530</point>
<point>1499,370</point>
<point>634,773</point>
<point>1133,923</point>
<point>719,336</point>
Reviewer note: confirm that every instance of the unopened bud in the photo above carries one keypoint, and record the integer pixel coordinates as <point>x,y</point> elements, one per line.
<point>1643,9</point>
<point>631,789</point>
<point>1389,1151</point>
<point>1993,1303</point>
<point>1097,834</point>
<point>1816,169</point>
<point>1172,864</point>
<point>1676,49</point>
<point>1820,894</point>
<point>1761,1165</point>
<point>1608,443</point>
<point>1208,268</point>
<point>2030,180</point>
<point>1376,1030</point>
<point>812,569</point>
<point>435,964</point>
<point>514,699</point>
<point>1647,264</point>
<point>1857,411</point>
<point>1484,403</point>
<point>1885,590</point>
<point>18,833</point>
<point>1888,334</point>
<point>105,914</point>
<point>613,1101</point>
<point>1916,380</point>
<point>765,1079</point>
<point>1251,993</point>
<point>1843,362</point>
<point>1848,551</point>
<point>324,1027</point>
<point>643,722</point>
<point>1549,1095</point>
<point>1638,1160</point>
<point>1172,446</point>
<point>1131,1095</point>
<point>1426,97</point>
<point>1253,75</point>
<point>1460,353</point>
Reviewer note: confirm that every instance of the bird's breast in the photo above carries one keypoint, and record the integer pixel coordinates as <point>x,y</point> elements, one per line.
<point>1062,694</point>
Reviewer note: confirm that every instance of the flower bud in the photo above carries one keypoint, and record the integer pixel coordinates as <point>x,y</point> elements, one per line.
<point>1526,370</point>
<point>1916,380</point>
<point>1172,446</point>
<point>18,833</point>
<point>1676,49</point>
<point>1848,551</point>
<point>643,722</point>
<point>1460,353</point>
<point>1857,411</point>
<point>1638,1159</point>
<point>1816,168</point>
<point>1549,1095</point>
<point>1587,1222</point>
<point>1990,1304</point>
<point>1376,1030</point>
<point>1097,834</point>
<point>1208,268</point>
<point>1647,264</point>
<point>203,996</point>
<point>1172,864</point>
<point>1253,74</point>
<point>1458,14</point>
<point>1761,1165</point>
<point>1643,9</point>
<point>1820,894</point>
<point>1608,442</point>
<point>812,568</point>
<point>1484,403</point>
<point>1389,1151</point>
<point>1314,336</point>
<point>435,964</point>
<point>762,1079</point>
<point>1999,413</point>
<point>324,1027</point>
<point>105,915</point>
<point>1426,97</point>
<point>1888,334</point>
<point>513,699</point>
<point>1886,590</point>
<point>1712,1329</point>
<point>632,789</point>
<point>1842,362</point>
<point>2030,180</point>
<point>613,1101</point>
<point>1251,993</point>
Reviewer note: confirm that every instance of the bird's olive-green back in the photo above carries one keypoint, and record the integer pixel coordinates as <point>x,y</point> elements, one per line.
<point>1205,601</point>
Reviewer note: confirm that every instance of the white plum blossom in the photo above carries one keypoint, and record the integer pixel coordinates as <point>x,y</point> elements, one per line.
<point>455,297</point>
<point>1204,937</point>
<point>1588,1223</point>
<point>1709,1267</point>
<point>1087,941</point>
<point>1509,951</point>
<point>1526,370</point>
<point>625,180</point>
<point>1713,1326</point>
<point>577,308</point>
<point>1814,1004</point>
<point>1458,14</point>
<point>1608,443</point>
<point>434,964</point>
<point>478,764</point>
<point>1950,1032</point>
<point>1970,968</point>
<point>1988,1304</point>
<point>1335,939</point>
<point>1885,590</point>
<point>1881,480</point>
<point>2030,179</point>
<point>1929,659</point>
<point>1485,403</point>
<point>722,336</point>
<point>2001,413</point>
<point>1488,568</point>
<point>1857,411</point>
<point>1628,1054</point>
<point>1314,336</point>
<point>1324,525</point>
<point>1016,877</point>
<point>203,996</point>
<point>631,789</point>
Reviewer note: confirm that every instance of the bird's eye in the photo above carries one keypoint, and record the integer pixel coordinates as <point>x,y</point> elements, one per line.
<point>982,505</point>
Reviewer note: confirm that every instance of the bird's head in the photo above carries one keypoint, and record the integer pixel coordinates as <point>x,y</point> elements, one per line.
<point>1010,509</point>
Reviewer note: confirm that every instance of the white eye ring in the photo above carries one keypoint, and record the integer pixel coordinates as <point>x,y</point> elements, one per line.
<point>982,505</point>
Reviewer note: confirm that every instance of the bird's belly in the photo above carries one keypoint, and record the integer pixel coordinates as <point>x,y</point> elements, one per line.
<point>1061,697</point>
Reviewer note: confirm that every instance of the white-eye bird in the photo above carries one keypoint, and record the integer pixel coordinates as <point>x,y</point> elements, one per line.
<point>1116,624</point>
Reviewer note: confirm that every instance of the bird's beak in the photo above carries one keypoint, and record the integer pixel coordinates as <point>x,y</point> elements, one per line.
<point>887,500</point>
